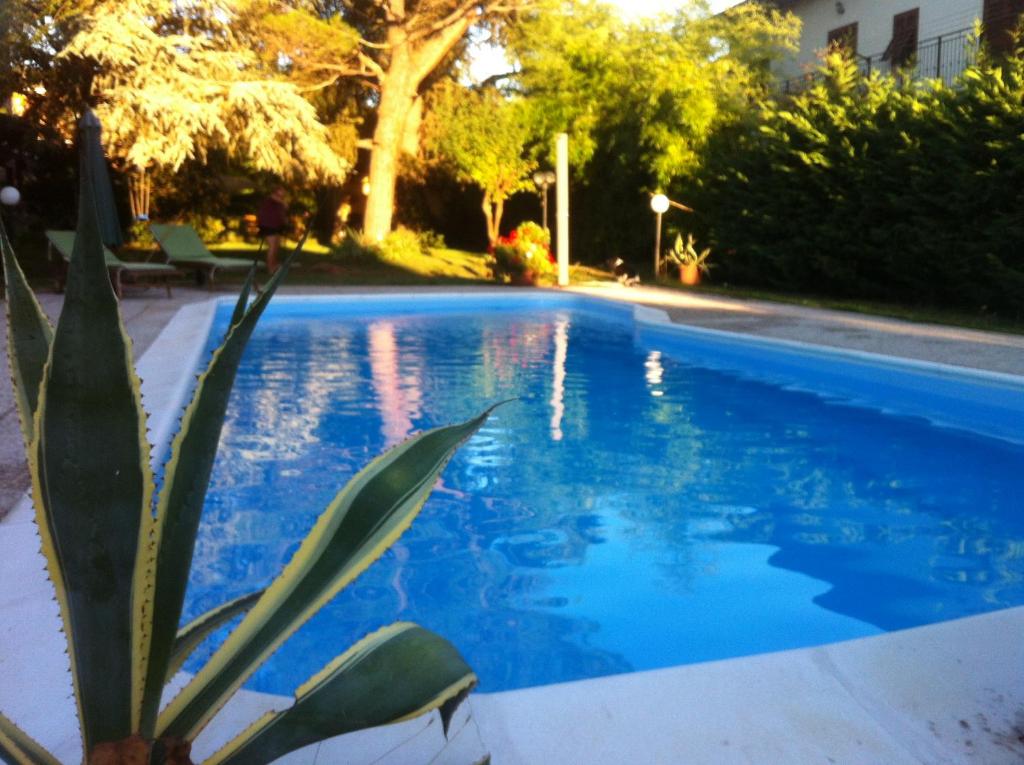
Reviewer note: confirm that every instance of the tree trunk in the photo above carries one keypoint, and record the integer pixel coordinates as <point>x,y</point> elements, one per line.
<point>492,235</point>
<point>397,99</point>
<point>325,219</point>
<point>410,62</point>
<point>411,129</point>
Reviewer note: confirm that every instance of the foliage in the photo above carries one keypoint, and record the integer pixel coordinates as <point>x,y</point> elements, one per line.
<point>405,48</point>
<point>523,256</point>
<point>685,254</point>
<point>118,552</point>
<point>483,137</point>
<point>876,188</point>
<point>639,100</point>
<point>400,245</point>
<point>32,34</point>
<point>176,82</point>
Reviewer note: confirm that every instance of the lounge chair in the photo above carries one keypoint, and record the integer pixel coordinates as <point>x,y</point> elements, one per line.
<point>136,273</point>
<point>183,248</point>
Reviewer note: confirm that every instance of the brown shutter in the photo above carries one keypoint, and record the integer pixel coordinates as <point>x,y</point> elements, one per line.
<point>904,38</point>
<point>844,37</point>
<point>999,18</point>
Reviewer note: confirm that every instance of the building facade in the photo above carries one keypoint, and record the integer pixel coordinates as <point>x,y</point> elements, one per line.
<point>930,38</point>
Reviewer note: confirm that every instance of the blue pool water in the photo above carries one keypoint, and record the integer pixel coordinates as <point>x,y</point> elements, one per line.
<point>640,505</point>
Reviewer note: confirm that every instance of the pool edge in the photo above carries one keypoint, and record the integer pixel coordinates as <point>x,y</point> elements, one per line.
<point>731,711</point>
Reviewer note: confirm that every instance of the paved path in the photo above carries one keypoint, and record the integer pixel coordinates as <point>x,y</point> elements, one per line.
<point>146,313</point>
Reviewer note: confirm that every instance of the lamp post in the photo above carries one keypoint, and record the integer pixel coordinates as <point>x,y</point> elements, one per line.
<point>659,203</point>
<point>9,197</point>
<point>542,179</point>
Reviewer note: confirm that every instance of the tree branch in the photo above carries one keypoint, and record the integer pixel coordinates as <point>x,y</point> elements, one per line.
<point>376,69</point>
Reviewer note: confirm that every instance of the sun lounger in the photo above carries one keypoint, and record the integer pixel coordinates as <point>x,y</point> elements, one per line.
<point>183,248</point>
<point>120,270</point>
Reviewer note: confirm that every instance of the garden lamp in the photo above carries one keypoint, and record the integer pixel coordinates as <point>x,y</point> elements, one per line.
<point>10,196</point>
<point>542,179</point>
<point>659,203</point>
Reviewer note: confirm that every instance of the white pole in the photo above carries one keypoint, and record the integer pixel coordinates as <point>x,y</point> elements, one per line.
<point>562,203</point>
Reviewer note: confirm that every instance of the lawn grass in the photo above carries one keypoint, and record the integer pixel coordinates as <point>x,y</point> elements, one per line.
<point>319,265</point>
<point>323,266</point>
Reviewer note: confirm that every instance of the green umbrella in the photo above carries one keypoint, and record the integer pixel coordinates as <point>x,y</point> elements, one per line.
<point>103,192</point>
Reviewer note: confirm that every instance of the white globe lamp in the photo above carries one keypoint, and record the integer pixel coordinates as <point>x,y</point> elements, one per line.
<point>659,203</point>
<point>10,196</point>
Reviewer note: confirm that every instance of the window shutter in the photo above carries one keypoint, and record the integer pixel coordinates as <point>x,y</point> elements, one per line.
<point>999,18</point>
<point>903,46</point>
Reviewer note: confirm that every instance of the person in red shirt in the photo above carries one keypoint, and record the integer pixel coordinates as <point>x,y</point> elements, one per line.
<point>272,219</point>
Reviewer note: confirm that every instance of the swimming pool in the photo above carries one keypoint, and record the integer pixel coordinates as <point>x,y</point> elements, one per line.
<point>656,496</point>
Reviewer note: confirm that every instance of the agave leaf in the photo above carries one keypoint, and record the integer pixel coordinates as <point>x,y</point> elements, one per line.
<point>394,674</point>
<point>243,298</point>
<point>28,339</point>
<point>92,483</point>
<point>200,628</point>
<point>362,521</point>
<point>18,748</point>
<point>180,504</point>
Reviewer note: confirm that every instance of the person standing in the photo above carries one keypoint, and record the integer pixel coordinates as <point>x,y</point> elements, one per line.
<point>272,219</point>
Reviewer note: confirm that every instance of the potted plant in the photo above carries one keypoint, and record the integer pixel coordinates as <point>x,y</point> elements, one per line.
<point>691,263</point>
<point>523,257</point>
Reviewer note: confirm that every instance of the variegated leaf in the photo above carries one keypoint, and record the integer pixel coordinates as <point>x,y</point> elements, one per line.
<point>362,521</point>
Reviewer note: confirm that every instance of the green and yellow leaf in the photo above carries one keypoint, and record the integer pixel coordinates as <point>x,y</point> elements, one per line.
<point>92,483</point>
<point>180,504</point>
<point>243,298</point>
<point>397,673</point>
<point>362,521</point>
<point>200,628</point>
<point>18,748</point>
<point>28,339</point>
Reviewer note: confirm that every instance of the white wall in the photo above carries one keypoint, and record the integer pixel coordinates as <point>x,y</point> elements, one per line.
<point>874,20</point>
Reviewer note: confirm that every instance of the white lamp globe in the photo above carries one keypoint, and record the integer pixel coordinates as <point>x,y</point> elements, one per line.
<point>10,196</point>
<point>659,203</point>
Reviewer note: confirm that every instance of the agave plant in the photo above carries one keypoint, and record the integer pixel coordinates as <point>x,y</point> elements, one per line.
<point>685,253</point>
<point>118,551</point>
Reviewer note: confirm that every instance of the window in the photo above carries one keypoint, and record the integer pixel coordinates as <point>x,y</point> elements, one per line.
<point>999,18</point>
<point>844,37</point>
<point>903,45</point>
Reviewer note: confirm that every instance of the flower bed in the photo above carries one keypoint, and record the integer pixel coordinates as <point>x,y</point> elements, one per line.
<point>523,257</point>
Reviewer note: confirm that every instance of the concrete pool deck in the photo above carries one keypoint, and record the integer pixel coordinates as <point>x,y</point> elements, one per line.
<point>951,692</point>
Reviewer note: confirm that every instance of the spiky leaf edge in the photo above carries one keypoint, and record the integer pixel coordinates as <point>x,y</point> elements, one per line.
<point>87,281</point>
<point>18,748</point>
<point>448,679</point>
<point>200,628</point>
<point>160,585</point>
<point>260,634</point>
<point>29,334</point>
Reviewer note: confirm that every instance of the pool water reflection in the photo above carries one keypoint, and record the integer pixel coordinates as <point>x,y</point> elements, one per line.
<point>629,511</point>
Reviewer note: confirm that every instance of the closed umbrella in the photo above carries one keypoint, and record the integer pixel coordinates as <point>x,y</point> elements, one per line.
<point>103,192</point>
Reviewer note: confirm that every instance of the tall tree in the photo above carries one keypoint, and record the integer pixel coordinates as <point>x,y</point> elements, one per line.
<point>639,100</point>
<point>177,81</point>
<point>404,42</point>
<point>482,136</point>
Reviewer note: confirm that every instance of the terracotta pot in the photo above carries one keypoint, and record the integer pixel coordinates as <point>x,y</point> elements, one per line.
<point>689,274</point>
<point>523,280</point>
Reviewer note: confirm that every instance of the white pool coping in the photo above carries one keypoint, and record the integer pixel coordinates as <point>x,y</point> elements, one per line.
<point>950,692</point>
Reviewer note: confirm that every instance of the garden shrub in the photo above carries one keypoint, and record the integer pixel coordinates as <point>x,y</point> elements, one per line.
<point>524,256</point>
<point>874,188</point>
<point>400,245</point>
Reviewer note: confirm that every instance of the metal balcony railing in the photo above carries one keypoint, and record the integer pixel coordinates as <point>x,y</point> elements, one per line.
<point>944,57</point>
